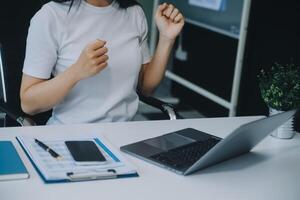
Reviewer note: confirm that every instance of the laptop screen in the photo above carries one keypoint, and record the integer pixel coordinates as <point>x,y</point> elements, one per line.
<point>2,81</point>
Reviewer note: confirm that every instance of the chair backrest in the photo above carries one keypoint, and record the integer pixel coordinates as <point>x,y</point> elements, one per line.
<point>10,103</point>
<point>2,79</point>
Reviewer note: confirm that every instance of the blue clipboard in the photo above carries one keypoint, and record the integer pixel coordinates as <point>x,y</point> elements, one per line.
<point>110,174</point>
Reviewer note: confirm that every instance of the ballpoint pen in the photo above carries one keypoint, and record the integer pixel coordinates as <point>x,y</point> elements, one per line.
<point>48,149</point>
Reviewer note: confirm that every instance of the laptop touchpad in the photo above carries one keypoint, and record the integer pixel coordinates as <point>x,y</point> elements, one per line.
<point>169,141</point>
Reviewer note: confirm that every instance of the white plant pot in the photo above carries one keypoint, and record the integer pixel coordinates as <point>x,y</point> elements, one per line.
<point>285,131</point>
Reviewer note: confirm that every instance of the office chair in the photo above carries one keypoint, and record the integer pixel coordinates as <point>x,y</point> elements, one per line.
<point>17,117</point>
<point>166,108</point>
<point>21,119</point>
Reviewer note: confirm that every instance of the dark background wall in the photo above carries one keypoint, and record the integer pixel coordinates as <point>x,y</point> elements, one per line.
<point>14,22</point>
<point>273,36</point>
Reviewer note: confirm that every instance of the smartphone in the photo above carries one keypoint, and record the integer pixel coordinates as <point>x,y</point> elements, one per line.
<point>85,152</point>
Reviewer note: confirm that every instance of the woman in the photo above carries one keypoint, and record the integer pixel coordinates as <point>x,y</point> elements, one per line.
<point>97,53</point>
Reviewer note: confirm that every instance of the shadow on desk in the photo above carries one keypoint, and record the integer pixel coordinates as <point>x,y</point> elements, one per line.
<point>236,164</point>
<point>253,158</point>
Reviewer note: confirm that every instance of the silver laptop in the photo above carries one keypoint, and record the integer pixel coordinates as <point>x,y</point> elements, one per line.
<point>189,150</point>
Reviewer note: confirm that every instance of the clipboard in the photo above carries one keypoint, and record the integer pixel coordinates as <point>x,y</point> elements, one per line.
<point>56,171</point>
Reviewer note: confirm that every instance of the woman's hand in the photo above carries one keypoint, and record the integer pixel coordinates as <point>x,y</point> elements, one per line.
<point>92,60</point>
<point>169,21</point>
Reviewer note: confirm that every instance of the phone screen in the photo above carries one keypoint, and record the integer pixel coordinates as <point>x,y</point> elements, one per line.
<point>85,152</point>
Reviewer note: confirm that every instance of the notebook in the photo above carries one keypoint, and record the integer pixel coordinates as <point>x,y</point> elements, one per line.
<point>11,165</point>
<point>53,170</point>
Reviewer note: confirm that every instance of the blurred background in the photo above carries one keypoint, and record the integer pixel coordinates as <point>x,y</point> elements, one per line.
<point>213,69</point>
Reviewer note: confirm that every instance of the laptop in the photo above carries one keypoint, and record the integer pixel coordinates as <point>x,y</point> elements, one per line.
<point>189,150</point>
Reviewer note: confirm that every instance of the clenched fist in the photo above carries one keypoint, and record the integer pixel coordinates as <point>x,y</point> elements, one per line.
<point>92,60</point>
<point>169,21</point>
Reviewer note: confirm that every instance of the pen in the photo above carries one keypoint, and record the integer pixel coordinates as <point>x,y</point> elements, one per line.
<point>48,149</point>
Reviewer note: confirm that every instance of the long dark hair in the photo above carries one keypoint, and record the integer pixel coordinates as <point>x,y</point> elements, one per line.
<point>122,3</point>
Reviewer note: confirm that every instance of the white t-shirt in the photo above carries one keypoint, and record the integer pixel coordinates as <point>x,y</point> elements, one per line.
<point>55,41</point>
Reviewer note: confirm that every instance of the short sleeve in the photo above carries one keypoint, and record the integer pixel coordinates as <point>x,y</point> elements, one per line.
<point>41,47</point>
<point>143,28</point>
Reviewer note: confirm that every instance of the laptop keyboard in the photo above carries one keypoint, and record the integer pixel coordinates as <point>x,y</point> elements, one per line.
<point>185,156</point>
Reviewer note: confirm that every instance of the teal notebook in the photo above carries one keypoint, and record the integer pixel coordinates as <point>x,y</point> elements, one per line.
<point>11,165</point>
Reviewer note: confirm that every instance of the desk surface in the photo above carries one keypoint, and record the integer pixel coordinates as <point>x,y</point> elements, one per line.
<point>270,171</point>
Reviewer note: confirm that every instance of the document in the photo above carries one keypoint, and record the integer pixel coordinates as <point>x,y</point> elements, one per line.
<point>66,169</point>
<point>216,5</point>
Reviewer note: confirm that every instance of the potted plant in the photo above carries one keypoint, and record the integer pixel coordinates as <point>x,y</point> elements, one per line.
<point>280,90</point>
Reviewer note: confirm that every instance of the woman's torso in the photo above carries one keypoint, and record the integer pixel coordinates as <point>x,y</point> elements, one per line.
<point>109,95</point>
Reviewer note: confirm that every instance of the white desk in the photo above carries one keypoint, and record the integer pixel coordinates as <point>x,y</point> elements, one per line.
<point>271,171</point>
